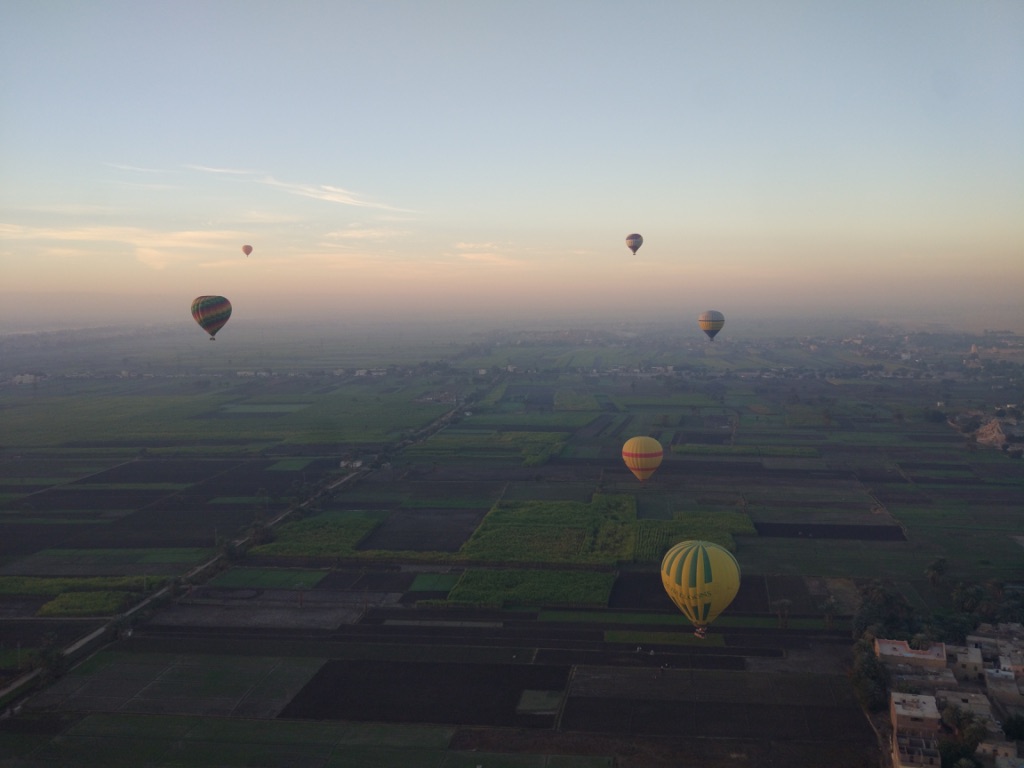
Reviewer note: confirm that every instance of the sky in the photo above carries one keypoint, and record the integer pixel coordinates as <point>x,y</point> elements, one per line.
<point>485,160</point>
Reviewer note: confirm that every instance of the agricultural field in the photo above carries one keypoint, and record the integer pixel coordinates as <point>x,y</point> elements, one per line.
<point>406,518</point>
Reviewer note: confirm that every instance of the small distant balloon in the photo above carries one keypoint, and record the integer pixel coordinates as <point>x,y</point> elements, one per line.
<point>642,456</point>
<point>711,322</point>
<point>633,242</point>
<point>246,249</point>
<point>211,312</point>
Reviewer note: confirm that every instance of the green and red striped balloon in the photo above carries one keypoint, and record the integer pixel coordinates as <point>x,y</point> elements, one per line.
<point>702,578</point>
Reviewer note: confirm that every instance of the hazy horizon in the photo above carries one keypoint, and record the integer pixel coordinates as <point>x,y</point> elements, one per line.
<point>20,313</point>
<point>485,162</point>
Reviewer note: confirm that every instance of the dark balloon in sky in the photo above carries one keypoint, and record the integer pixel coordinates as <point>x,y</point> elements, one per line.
<point>246,249</point>
<point>211,312</point>
<point>633,242</point>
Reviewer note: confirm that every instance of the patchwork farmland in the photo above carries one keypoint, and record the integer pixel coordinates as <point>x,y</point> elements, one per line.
<point>450,565</point>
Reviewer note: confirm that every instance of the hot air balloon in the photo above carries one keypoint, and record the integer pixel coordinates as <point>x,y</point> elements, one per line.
<point>702,578</point>
<point>246,249</point>
<point>711,322</point>
<point>642,455</point>
<point>211,312</point>
<point>633,242</point>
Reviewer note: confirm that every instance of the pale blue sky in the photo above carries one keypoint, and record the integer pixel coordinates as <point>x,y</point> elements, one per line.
<point>466,156</point>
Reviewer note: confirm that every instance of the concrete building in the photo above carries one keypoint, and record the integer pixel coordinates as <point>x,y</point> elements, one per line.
<point>992,749</point>
<point>966,662</point>
<point>921,679</point>
<point>996,640</point>
<point>977,704</point>
<point>893,652</point>
<point>924,671</point>
<point>1004,688</point>
<point>915,730</point>
<point>984,677</point>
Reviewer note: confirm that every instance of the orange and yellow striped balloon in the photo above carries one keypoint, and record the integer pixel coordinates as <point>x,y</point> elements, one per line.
<point>642,455</point>
<point>711,322</point>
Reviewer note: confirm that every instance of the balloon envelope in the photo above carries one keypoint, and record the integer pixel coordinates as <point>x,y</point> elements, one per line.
<point>633,242</point>
<point>211,312</point>
<point>246,249</point>
<point>711,322</point>
<point>702,578</point>
<point>642,455</point>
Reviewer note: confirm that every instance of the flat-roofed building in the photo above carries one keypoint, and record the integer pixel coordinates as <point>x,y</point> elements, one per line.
<point>1011,658</point>
<point>913,752</point>
<point>994,747</point>
<point>966,662</point>
<point>999,640</point>
<point>915,730</point>
<point>892,652</point>
<point>1005,689</point>
<point>915,714</point>
<point>921,679</point>
<point>975,703</point>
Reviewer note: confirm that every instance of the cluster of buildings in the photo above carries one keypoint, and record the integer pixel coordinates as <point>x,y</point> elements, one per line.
<point>984,677</point>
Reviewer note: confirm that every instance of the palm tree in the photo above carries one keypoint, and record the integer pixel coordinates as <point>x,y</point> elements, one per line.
<point>920,642</point>
<point>935,571</point>
<point>782,609</point>
<point>260,532</point>
<point>967,597</point>
<point>974,733</point>
<point>829,609</point>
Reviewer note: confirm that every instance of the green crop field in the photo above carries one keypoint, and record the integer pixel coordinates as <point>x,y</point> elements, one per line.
<point>332,534</point>
<point>89,562</point>
<point>47,585</point>
<point>268,578</point>
<point>444,499</point>
<point>434,582</point>
<point>123,740</point>
<point>532,588</point>
<point>602,531</point>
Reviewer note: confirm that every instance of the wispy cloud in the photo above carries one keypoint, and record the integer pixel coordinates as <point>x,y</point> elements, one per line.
<point>494,259</point>
<point>488,253</point>
<point>359,233</point>
<point>151,185</point>
<point>270,217</point>
<point>69,209</point>
<point>155,249</point>
<point>135,168</point>
<point>117,234</point>
<point>153,258</point>
<point>477,246</point>
<point>227,171</point>
<point>12,230</point>
<point>326,193</point>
